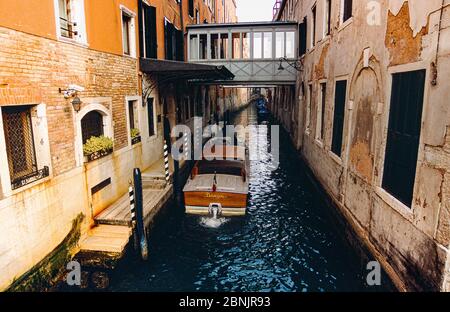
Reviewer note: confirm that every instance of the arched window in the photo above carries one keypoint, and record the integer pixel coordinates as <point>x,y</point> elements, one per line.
<point>91,125</point>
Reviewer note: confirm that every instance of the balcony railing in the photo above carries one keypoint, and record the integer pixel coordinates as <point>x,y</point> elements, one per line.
<point>30,178</point>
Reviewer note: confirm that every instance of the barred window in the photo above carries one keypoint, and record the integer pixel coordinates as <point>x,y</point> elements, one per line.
<point>19,141</point>
<point>91,125</point>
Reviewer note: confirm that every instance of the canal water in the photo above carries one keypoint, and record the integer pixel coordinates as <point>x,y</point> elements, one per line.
<point>289,240</point>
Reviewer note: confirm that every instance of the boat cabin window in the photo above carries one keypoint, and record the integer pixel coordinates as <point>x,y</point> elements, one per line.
<point>233,168</point>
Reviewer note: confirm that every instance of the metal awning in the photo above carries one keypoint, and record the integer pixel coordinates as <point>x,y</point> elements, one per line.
<point>172,71</point>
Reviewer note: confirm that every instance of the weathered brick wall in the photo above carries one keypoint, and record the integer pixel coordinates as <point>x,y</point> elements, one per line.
<point>32,69</point>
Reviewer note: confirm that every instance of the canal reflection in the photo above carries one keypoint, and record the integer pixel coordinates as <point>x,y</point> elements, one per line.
<point>289,240</point>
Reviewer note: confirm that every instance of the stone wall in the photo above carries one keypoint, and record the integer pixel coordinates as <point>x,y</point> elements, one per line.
<point>412,244</point>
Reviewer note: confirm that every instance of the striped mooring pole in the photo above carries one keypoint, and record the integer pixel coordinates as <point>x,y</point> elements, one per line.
<point>166,161</point>
<point>138,200</point>
<point>186,147</point>
<point>133,215</point>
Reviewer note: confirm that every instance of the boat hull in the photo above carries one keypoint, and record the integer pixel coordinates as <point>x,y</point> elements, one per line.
<point>226,212</point>
<point>231,204</point>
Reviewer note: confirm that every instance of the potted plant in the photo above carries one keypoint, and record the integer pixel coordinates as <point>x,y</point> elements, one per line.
<point>97,147</point>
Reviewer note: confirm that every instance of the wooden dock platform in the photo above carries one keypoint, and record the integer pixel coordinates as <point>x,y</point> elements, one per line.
<point>106,242</point>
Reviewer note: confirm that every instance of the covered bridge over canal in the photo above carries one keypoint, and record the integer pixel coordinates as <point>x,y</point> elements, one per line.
<point>255,53</point>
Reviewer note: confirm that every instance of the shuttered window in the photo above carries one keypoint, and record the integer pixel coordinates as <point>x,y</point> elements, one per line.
<point>347,10</point>
<point>149,32</point>
<point>302,37</point>
<point>339,116</point>
<point>403,135</point>
<point>191,8</point>
<point>173,42</point>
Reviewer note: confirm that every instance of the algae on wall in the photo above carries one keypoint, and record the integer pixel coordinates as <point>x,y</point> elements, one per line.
<point>44,275</point>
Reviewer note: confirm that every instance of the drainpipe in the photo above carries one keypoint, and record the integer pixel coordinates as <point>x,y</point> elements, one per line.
<point>182,26</point>
<point>434,65</point>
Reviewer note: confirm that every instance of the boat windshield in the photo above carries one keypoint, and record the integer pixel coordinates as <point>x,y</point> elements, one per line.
<point>226,167</point>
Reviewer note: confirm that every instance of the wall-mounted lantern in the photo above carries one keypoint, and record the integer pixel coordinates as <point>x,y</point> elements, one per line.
<point>297,65</point>
<point>76,103</point>
<point>72,92</point>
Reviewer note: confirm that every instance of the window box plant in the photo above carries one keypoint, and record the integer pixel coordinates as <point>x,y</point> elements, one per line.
<point>97,147</point>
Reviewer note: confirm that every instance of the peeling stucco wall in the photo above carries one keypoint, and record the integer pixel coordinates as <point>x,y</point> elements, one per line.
<point>419,11</point>
<point>404,45</point>
<point>412,243</point>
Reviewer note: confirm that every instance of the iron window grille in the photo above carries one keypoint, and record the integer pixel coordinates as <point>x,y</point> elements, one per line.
<point>20,147</point>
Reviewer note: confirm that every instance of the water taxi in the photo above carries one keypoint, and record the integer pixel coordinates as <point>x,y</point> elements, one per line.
<point>218,184</point>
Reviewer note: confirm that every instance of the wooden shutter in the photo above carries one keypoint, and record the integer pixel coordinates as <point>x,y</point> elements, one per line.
<point>151,40</point>
<point>402,147</point>
<point>339,116</point>
<point>302,37</point>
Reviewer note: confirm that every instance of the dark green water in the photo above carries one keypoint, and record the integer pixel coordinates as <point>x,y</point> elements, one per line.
<point>289,241</point>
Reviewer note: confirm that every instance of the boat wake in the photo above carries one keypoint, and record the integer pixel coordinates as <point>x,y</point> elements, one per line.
<point>212,223</point>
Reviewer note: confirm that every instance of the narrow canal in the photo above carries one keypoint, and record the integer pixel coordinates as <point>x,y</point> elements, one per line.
<point>289,240</point>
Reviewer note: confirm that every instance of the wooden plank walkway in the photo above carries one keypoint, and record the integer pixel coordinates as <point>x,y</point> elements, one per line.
<point>119,212</point>
<point>107,239</point>
<point>105,243</point>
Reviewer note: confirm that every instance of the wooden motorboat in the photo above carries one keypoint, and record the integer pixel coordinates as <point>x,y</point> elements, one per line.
<point>218,184</point>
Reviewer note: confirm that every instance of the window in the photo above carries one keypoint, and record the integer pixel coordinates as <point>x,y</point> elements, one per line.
<point>347,10</point>
<point>133,119</point>
<point>193,44</point>
<point>224,46</point>
<point>20,146</point>
<point>91,125</point>
<point>126,24</point>
<point>267,45</point>
<point>303,27</point>
<point>149,38</point>
<point>314,26</point>
<point>173,42</point>
<point>327,18</point>
<point>151,116</point>
<point>290,45</point>
<point>203,46</point>
<point>280,44</point>
<point>215,46</point>
<point>70,20</point>
<point>320,129</point>
<point>197,16</point>
<point>257,45</point>
<point>246,45</point>
<point>236,42</point>
<point>402,146</point>
<point>191,8</point>
<point>308,108</point>
<point>65,19</point>
<point>339,117</point>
